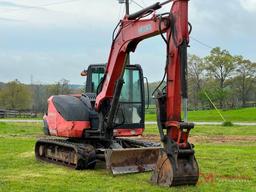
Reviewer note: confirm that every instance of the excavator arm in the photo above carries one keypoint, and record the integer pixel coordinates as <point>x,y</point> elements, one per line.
<point>130,33</point>
<point>176,164</point>
<point>132,30</point>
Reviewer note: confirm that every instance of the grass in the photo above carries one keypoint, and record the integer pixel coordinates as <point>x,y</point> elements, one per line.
<point>20,129</point>
<point>223,167</point>
<point>236,115</point>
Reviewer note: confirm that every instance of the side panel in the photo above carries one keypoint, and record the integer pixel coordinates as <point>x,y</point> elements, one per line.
<point>58,126</point>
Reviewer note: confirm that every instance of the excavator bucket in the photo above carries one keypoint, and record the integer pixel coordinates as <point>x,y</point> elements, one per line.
<point>131,160</point>
<point>168,173</point>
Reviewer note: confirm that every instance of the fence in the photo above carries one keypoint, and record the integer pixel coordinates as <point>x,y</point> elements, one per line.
<point>16,114</point>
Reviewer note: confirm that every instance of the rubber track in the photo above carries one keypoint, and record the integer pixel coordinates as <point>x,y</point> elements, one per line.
<point>86,156</point>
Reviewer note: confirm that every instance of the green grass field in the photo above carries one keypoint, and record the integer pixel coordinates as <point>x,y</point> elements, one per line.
<point>236,115</point>
<point>227,166</point>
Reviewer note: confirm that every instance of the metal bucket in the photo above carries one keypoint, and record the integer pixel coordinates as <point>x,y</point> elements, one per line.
<point>131,160</point>
<point>168,173</point>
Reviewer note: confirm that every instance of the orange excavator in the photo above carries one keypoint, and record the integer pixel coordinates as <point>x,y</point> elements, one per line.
<point>97,125</point>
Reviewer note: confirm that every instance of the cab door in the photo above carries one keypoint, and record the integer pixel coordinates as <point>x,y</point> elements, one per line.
<point>130,115</point>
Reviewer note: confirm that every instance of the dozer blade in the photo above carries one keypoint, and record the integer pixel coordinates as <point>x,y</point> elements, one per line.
<point>131,160</point>
<point>168,173</point>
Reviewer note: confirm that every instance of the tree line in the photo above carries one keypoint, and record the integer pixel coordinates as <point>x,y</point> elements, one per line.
<point>18,96</point>
<point>229,81</point>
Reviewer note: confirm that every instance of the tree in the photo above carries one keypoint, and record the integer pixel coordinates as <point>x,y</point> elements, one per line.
<point>195,79</point>
<point>15,95</point>
<point>39,98</point>
<point>246,73</point>
<point>220,65</point>
<point>59,88</point>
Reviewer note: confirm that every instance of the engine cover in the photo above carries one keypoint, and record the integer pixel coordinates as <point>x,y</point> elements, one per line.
<point>67,116</point>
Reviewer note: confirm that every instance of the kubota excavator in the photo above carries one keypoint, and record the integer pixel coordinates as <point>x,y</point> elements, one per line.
<point>90,127</point>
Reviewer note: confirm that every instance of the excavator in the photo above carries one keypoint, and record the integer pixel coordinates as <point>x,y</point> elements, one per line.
<point>100,124</point>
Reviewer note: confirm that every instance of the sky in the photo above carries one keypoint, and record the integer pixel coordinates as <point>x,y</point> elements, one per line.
<point>43,41</point>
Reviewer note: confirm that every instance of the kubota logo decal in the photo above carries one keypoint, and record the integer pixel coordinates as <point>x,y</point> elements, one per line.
<point>145,28</point>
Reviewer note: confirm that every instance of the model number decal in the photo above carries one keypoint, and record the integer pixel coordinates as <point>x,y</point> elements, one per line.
<point>145,28</point>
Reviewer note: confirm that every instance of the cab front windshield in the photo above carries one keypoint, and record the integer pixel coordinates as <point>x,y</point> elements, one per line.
<point>130,100</point>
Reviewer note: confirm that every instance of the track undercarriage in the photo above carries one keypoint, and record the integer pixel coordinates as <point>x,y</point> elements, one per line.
<point>133,156</point>
<point>63,152</point>
<point>121,156</point>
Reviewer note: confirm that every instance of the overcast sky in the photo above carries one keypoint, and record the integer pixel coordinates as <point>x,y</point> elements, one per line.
<point>47,40</point>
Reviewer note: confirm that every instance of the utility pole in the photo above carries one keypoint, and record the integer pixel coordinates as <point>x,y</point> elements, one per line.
<point>127,7</point>
<point>127,11</point>
<point>127,61</point>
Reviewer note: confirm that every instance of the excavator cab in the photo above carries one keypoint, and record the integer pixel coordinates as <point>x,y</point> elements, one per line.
<point>129,119</point>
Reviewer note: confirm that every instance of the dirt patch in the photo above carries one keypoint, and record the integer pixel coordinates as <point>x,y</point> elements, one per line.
<point>150,137</point>
<point>207,139</point>
<point>207,178</point>
<point>222,139</point>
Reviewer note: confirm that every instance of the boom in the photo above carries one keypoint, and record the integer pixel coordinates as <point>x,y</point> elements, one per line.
<point>131,32</point>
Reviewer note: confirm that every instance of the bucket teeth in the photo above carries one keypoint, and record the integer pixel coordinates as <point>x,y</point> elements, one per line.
<point>132,160</point>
